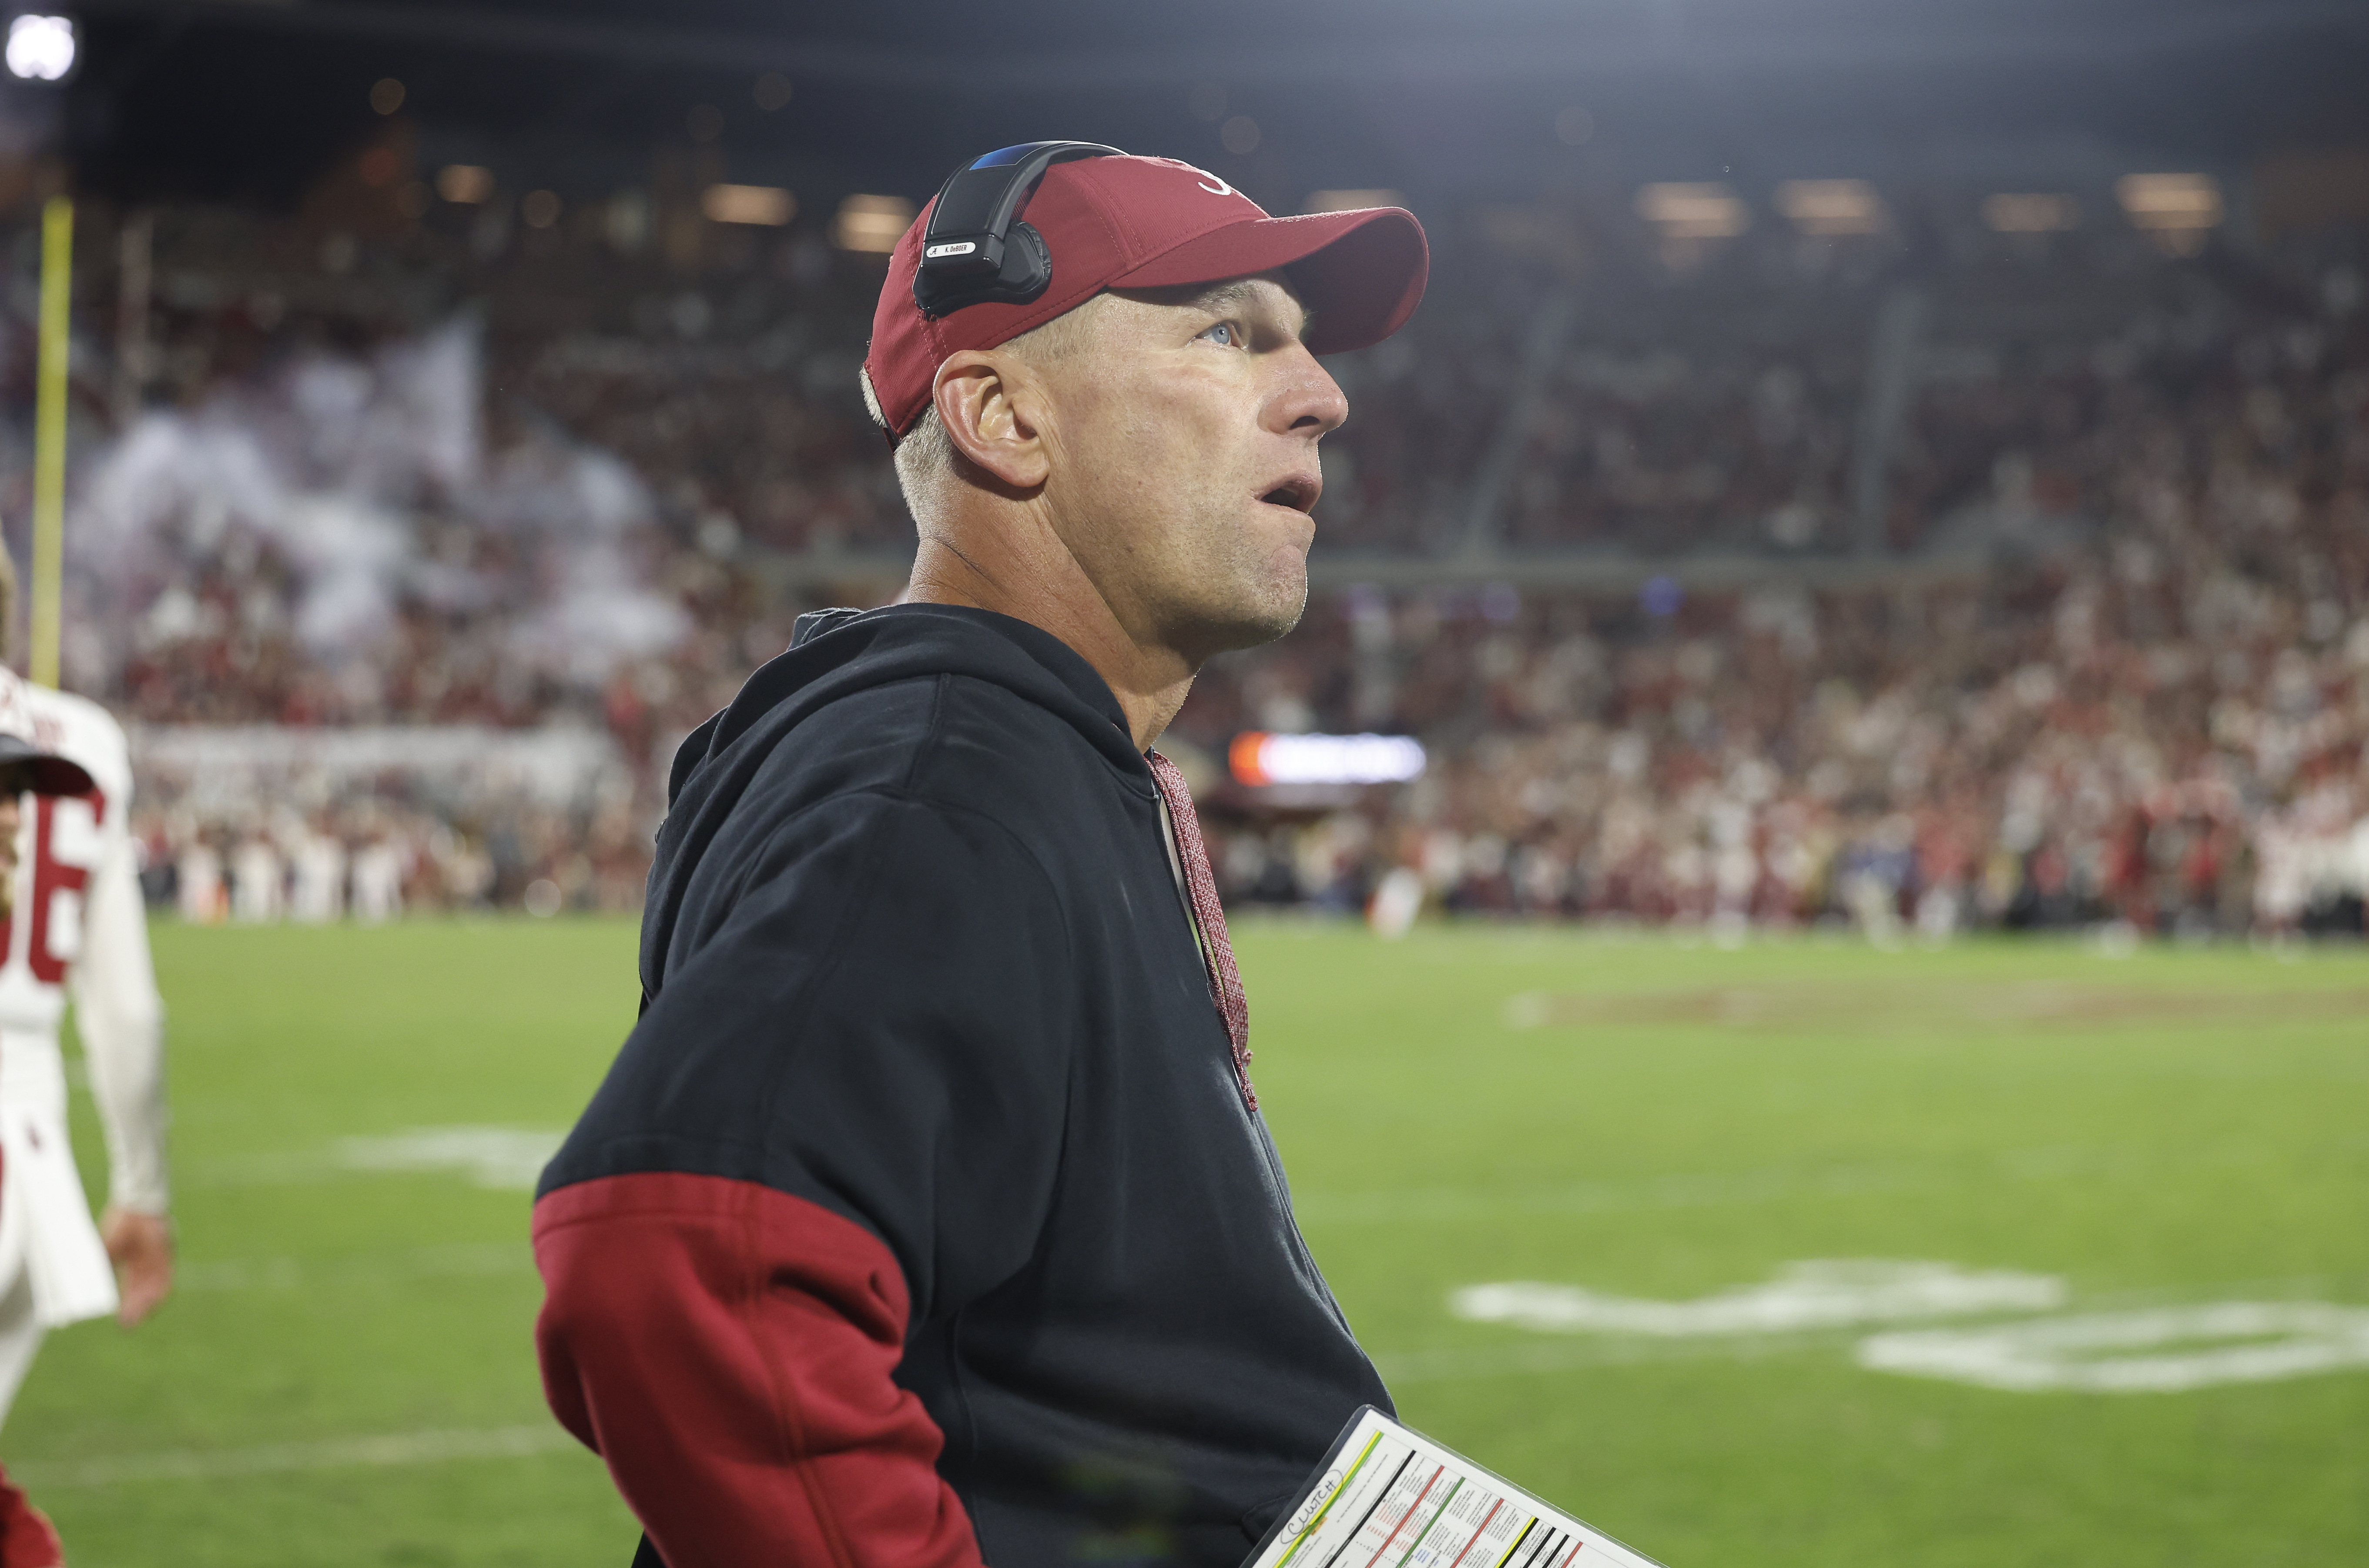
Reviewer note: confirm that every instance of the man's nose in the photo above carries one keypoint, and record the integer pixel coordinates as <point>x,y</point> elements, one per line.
<point>1308,398</point>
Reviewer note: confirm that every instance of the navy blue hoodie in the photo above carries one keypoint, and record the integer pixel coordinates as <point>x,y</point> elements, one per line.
<point>922,1218</point>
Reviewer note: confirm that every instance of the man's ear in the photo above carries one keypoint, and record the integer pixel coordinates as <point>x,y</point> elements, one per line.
<point>991,410</point>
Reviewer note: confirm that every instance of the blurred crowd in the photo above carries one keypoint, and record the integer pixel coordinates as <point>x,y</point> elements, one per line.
<point>2142,698</point>
<point>2134,688</point>
<point>2117,668</point>
<point>376,858</point>
<point>2166,747</point>
<point>314,824</point>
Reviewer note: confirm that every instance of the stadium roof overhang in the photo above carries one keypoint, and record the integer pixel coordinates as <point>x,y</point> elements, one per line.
<point>1491,44</point>
<point>251,100</point>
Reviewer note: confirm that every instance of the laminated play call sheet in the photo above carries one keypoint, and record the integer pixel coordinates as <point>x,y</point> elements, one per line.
<point>1389,1497</point>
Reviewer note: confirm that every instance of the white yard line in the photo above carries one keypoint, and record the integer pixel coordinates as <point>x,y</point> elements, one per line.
<point>501,1159</point>
<point>1453,1363</point>
<point>339,1453</point>
<point>1822,1293</point>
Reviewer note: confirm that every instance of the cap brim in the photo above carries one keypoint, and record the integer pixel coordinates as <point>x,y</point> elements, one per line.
<point>48,773</point>
<point>1360,273</point>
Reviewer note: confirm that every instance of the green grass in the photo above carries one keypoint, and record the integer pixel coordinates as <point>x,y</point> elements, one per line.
<point>328,1304</point>
<point>2178,1126</point>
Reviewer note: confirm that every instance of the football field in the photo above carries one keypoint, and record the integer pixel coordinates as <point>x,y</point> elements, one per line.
<point>1800,1254</point>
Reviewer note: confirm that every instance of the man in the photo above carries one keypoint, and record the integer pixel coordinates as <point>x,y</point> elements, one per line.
<point>71,920</point>
<point>927,1215</point>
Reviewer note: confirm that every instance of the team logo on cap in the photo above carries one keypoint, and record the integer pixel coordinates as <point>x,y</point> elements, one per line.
<point>1213,184</point>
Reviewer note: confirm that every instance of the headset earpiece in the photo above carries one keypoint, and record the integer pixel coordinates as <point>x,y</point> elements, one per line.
<point>975,250</point>
<point>1026,272</point>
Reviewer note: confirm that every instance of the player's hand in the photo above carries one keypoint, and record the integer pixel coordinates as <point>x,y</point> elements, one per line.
<point>142,1247</point>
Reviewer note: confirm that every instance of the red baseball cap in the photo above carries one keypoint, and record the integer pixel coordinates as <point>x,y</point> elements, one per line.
<point>1134,223</point>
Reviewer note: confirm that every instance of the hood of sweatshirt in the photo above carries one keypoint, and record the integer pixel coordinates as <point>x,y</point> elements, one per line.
<point>834,654</point>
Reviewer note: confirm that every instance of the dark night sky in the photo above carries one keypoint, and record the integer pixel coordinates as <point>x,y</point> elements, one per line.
<point>241,101</point>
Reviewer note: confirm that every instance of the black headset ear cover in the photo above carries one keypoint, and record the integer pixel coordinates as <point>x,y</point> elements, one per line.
<point>1026,273</point>
<point>974,250</point>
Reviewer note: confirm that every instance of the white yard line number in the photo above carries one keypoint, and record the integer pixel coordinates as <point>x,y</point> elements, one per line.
<point>2153,1350</point>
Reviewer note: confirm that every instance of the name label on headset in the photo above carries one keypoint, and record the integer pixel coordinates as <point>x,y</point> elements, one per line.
<point>958,247</point>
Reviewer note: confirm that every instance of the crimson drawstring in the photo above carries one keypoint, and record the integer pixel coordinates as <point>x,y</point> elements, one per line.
<point>1201,891</point>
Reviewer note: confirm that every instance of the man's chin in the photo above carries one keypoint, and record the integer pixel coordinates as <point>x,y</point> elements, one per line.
<point>1243,602</point>
<point>1271,605</point>
<point>1288,614</point>
<point>1229,628</point>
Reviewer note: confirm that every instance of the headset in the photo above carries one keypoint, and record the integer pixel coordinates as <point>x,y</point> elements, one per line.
<point>975,251</point>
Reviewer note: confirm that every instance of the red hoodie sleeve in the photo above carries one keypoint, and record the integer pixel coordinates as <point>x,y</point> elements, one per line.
<point>727,1348</point>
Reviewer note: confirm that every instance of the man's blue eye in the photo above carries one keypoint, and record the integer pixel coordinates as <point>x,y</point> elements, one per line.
<point>1228,338</point>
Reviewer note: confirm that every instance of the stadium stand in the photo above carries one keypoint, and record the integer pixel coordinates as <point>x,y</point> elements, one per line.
<point>1991,579</point>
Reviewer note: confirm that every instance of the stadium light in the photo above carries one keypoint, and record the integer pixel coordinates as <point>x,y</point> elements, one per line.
<point>768,206</point>
<point>1258,758</point>
<point>1826,207</point>
<point>871,223</point>
<point>2175,210</point>
<point>464,183</point>
<point>626,220</point>
<point>1690,220</point>
<point>42,47</point>
<point>1693,211</point>
<point>2031,213</point>
<point>1351,200</point>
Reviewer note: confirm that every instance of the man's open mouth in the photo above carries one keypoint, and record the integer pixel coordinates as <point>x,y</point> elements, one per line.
<point>1298,493</point>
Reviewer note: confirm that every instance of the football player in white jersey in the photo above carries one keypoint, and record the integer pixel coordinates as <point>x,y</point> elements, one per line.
<point>73,924</point>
